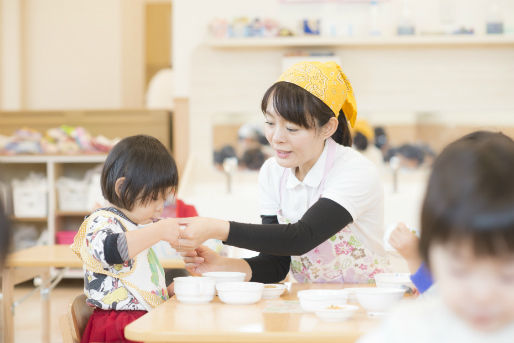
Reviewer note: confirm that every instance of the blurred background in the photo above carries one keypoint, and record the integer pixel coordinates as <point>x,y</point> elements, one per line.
<point>75,76</point>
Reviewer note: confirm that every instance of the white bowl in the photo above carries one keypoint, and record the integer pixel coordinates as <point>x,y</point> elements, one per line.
<point>336,313</point>
<point>378,300</point>
<point>194,289</point>
<point>240,293</point>
<point>273,290</point>
<point>225,276</point>
<point>394,280</point>
<point>316,299</point>
<point>352,298</point>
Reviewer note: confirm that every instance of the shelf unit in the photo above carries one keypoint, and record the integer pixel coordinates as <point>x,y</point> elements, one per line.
<point>53,166</point>
<point>318,41</point>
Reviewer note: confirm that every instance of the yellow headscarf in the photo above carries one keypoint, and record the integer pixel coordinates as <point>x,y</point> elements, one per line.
<point>327,82</point>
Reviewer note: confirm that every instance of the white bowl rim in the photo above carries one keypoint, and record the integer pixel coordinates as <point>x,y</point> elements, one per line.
<point>275,286</point>
<point>248,286</point>
<point>393,277</point>
<point>321,294</point>
<point>380,290</point>
<point>178,278</point>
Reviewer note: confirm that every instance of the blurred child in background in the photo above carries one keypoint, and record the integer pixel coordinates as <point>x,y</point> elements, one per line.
<point>467,241</point>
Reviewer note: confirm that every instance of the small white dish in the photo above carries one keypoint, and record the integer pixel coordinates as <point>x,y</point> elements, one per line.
<point>334,313</point>
<point>194,289</point>
<point>240,293</point>
<point>378,300</point>
<point>394,280</point>
<point>273,290</point>
<point>315,299</point>
<point>225,276</point>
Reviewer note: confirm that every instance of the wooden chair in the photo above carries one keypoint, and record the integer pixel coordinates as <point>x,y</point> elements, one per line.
<point>75,321</point>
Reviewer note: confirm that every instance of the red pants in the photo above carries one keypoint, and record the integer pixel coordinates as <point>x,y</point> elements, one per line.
<point>109,325</point>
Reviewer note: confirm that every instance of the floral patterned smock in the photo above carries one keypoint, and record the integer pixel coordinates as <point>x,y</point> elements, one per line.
<point>340,259</point>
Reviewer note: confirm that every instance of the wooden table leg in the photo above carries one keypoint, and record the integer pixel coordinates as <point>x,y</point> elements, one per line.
<point>7,305</point>
<point>45,306</point>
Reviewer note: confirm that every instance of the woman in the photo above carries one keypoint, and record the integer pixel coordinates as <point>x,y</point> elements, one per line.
<point>321,201</point>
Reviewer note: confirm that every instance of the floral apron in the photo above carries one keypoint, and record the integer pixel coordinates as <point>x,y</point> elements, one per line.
<point>340,259</point>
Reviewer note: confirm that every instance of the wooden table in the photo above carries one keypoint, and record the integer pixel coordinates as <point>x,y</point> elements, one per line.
<point>267,321</point>
<point>38,261</point>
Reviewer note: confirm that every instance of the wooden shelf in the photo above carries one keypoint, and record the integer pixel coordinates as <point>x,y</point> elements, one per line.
<point>443,40</point>
<point>72,213</point>
<point>28,219</point>
<point>87,158</point>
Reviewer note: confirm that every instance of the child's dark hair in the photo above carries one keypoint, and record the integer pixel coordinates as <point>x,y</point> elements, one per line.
<point>147,166</point>
<point>298,106</point>
<point>470,196</point>
<point>360,142</point>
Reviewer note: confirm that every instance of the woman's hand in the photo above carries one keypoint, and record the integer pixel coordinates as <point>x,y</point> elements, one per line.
<point>202,260</point>
<point>198,229</point>
<point>171,289</point>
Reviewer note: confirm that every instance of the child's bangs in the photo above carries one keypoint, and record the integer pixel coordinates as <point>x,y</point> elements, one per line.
<point>290,102</point>
<point>160,182</point>
<point>491,233</point>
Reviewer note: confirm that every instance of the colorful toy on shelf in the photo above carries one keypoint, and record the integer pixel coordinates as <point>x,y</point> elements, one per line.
<point>62,140</point>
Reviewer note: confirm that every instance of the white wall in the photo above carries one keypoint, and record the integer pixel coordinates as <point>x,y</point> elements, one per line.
<point>191,19</point>
<point>10,54</point>
<point>72,54</point>
<point>453,84</point>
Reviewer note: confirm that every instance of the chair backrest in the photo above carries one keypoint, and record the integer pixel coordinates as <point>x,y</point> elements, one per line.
<point>80,313</point>
<point>67,331</point>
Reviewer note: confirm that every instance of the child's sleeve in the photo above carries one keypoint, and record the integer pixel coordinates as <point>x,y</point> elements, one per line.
<point>422,278</point>
<point>106,241</point>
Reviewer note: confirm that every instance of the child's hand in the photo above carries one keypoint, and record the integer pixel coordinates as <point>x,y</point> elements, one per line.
<point>169,230</point>
<point>404,241</point>
<point>197,230</point>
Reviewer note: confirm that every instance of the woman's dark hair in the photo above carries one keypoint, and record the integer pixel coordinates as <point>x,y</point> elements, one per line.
<point>147,166</point>
<point>470,196</point>
<point>298,106</point>
<point>5,235</point>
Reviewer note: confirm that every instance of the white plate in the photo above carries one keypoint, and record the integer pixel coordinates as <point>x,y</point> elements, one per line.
<point>315,299</point>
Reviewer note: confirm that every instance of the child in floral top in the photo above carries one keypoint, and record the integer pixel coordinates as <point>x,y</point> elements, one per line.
<point>123,279</point>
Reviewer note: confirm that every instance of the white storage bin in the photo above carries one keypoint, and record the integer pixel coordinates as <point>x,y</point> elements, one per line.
<point>72,194</point>
<point>30,197</point>
<point>95,198</point>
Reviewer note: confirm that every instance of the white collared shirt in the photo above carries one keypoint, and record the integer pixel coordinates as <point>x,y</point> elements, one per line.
<point>353,182</point>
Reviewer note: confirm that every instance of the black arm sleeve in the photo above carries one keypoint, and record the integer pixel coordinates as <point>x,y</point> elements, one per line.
<point>324,219</point>
<point>112,255</point>
<point>269,268</point>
